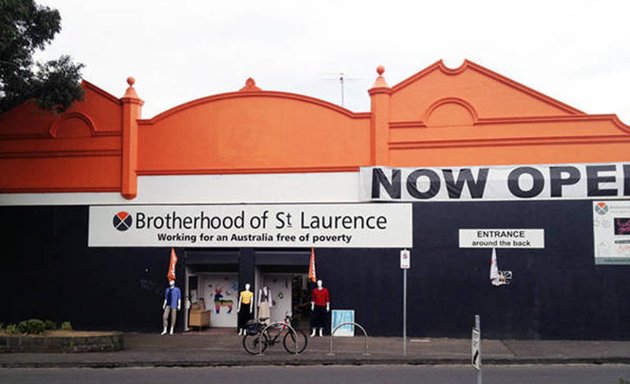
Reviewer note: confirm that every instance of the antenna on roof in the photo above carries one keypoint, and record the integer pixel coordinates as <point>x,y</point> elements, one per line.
<point>342,79</point>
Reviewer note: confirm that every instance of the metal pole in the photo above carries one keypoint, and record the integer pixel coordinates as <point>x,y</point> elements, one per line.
<point>478,326</point>
<point>404,312</point>
<point>341,81</point>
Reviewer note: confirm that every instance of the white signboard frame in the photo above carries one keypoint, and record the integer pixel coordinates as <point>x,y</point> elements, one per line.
<point>611,232</point>
<point>315,225</point>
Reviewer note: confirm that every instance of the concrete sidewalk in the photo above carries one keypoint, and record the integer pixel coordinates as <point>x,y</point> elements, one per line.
<point>225,349</point>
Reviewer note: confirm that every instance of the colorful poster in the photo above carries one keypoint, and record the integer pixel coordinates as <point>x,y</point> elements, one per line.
<point>611,232</point>
<point>220,294</point>
<point>340,316</point>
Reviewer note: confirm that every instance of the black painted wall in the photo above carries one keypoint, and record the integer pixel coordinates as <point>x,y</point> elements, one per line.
<point>52,274</point>
<point>556,292</point>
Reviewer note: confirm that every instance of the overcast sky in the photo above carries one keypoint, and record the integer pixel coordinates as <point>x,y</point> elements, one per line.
<point>575,51</point>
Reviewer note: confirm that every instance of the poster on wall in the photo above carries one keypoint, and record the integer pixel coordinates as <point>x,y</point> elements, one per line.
<point>340,316</point>
<point>611,232</point>
<point>220,294</point>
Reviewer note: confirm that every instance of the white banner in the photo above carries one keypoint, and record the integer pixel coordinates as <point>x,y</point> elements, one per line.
<point>611,232</point>
<point>502,238</point>
<point>319,226</point>
<point>518,182</point>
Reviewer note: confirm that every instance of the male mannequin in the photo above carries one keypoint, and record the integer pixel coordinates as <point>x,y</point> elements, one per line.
<point>320,305</point>
<point>245,308</point>
<point>264,304</point>
<point>172,304</point>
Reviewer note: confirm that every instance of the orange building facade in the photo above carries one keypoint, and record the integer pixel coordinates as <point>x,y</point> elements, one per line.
<point>256,148</point>
<point>446,117</point>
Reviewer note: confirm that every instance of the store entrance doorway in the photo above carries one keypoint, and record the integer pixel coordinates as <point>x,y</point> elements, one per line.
<point>289,293</point>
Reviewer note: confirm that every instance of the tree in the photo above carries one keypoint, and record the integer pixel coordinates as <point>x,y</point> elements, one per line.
<point>25,27</point>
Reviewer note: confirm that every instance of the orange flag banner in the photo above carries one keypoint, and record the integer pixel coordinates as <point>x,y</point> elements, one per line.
<point>311,267</point>
<point>171,266</point>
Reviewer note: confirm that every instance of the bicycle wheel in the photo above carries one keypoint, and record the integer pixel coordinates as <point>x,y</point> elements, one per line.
<point>290,341</point>
<point>251,343</point>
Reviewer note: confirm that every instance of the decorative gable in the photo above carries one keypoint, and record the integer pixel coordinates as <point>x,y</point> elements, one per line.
<point>439,96</point>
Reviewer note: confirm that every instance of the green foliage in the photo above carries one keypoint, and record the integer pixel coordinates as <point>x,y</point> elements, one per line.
<point>24,28</point>
<point>35,326</point>
<point>50,325</point>
<point>1,326</point>
<point>59,82</point>
<point>32,327</point>
<point>622,381</point>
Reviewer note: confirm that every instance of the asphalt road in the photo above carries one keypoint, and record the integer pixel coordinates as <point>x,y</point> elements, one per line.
<point>548,374</point>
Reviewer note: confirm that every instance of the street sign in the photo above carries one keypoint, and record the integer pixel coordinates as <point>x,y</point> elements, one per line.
<point>476,350</point>
<point>405,259</point>
<point>405,264</point>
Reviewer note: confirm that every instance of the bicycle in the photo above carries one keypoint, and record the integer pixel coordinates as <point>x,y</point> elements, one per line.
<point>256,341</point>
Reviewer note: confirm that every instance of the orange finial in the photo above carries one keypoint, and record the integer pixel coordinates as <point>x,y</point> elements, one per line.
<point>380,80</point>
<point>250,86</point>
<point>130,93</point>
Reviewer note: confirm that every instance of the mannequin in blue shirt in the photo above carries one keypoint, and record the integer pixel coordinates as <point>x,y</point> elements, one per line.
<point>172,304</point>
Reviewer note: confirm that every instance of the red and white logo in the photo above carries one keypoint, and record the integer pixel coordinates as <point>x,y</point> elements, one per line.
<point>122,221</point>
<point>601,208</point>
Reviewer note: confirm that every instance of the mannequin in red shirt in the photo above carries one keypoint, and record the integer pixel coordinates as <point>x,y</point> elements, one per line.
<point>320,305</point>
